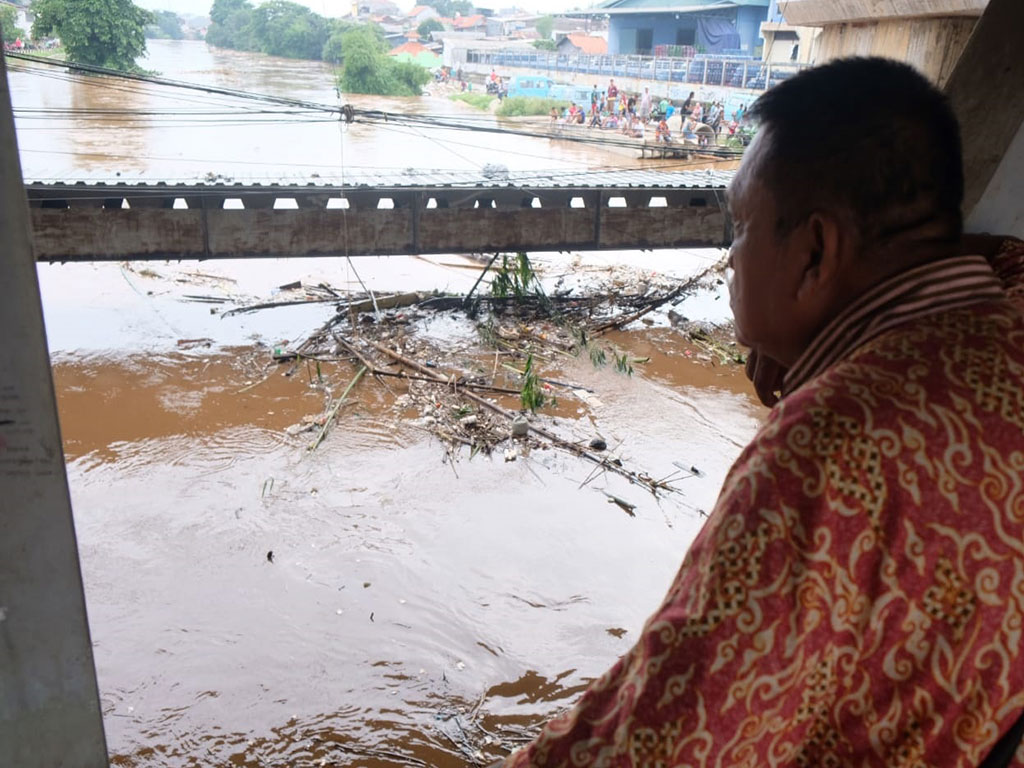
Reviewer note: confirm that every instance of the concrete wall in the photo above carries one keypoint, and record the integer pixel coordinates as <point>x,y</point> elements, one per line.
<point>663,25</point>
<point>748,24</point>
<point>1000,210</point>
<point>931,45</point>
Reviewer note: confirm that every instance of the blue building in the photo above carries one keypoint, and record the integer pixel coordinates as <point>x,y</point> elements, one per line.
<point>730,27</point>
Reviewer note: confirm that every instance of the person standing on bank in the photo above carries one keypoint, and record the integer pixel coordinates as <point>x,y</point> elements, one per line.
<point>854,598</point>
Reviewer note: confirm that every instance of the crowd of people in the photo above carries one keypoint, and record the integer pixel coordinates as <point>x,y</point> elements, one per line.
<point>637,115</point>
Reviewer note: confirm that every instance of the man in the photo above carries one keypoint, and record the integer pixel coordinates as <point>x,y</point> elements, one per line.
<point>613,94</point>
<point>645,105</point>
<point>856,598</point>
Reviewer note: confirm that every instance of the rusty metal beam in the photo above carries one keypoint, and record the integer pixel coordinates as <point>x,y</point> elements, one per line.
<point>142,221</point>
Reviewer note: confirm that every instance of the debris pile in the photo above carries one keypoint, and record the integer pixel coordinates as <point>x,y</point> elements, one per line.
<point>492,392</point>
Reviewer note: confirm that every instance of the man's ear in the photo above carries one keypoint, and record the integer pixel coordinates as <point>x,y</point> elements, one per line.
<point>819,252</point>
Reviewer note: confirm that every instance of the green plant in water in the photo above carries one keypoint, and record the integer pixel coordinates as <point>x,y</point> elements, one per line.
<point>598,357</point>
<point>531,395</point>
<point>622,364</point>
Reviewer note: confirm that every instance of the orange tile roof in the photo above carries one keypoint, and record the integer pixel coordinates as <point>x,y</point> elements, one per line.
<point>467,22</point>
<point>589,43</point>
<point>412,48</point>
<point>419,9</point>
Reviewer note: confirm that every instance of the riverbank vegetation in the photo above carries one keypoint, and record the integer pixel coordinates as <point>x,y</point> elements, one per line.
<point>474,99</point>
<point>101,33</point>
<point>166,26</point>
<point>367,68</point>
<point>526,107</point>
<point>282,28</point>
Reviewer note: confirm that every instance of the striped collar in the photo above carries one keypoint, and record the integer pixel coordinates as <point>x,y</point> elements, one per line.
<point>937,286</point>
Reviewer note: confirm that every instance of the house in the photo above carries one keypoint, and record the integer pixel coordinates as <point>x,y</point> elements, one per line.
<point>417,53</point>
<point>730,27</point>
<point>475,23</point>
<point>930,34</point>
<point>421,13</point>
<point>785,43</point>
<point>575,43</point>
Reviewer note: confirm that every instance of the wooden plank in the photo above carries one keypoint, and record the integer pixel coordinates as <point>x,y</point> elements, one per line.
<point>824,12</point>
<point>985,89</point>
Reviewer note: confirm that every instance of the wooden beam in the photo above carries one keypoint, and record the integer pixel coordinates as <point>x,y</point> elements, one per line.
<point>987,94</point>
<point>817,13</point>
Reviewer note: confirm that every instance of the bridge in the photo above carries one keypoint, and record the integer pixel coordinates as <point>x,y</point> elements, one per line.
<point>103,219</point>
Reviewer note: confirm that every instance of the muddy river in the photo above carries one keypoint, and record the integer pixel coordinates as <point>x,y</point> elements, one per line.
<point>370,603</point>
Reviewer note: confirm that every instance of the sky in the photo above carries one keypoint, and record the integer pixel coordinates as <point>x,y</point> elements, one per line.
<point>341,7</point>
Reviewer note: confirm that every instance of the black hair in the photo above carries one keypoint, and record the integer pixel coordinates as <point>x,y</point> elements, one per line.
<point>868,135</point>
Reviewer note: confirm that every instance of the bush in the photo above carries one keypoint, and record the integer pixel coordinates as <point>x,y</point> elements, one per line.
<point>545,45</point>
<point>478,100</point>
<point>524,107</point>
<point>368,68</point>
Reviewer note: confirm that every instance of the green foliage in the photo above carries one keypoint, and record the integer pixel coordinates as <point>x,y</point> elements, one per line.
<point>545,25</point>
<point>277,27</point>
<point>332,50</point>
<point>104,33</point>
<point>531,395</point>
<point>428,26</point>
<point>282,28</point>
<point>9,24</point>
<point>545,45</point>
<point>516,279</point>
<point>622,364</point>
<point>230,25</point>
<point>448,8</point>
<point>368,69</point>
<point>521,106</point>
<point>166,26</point>
<point>474,99</point>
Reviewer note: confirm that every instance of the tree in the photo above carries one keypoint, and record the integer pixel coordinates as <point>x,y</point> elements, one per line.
<point>545,45</point>
<point>283,28</point>
<point>167,25</point>
<point>103,33</point>
<point>428,26</point>
<point>368,68</point>
<point>9,24</point>
<point>545,24</point>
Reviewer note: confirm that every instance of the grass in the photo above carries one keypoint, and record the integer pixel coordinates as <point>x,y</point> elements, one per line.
<point>478,100</point>
<point>525,107</point>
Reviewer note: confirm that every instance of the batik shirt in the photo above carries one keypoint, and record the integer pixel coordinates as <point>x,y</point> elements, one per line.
<point>856,597</point>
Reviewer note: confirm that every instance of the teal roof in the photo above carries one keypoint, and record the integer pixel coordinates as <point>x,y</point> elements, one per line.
<point>674,6</point>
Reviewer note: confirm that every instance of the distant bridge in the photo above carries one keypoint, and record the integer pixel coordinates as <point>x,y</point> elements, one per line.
<point>379,215</point>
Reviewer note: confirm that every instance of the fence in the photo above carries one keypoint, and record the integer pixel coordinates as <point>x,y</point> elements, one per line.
<point>703,70</point>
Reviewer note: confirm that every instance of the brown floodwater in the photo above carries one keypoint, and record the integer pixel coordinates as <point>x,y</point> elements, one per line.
<point>415,610</point>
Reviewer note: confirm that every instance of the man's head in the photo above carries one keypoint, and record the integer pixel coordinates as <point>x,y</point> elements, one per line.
<point>855,174</point>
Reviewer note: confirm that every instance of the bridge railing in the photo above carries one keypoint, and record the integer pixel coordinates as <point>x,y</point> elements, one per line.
<point>704,70</point>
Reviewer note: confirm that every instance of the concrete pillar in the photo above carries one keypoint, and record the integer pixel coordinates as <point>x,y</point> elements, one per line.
<point>49,702</point>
